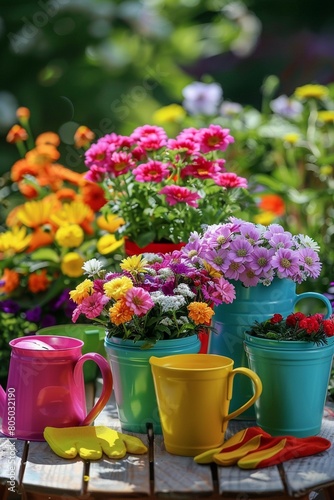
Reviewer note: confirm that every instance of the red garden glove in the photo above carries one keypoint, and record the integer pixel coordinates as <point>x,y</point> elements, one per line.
<point>254,448</point>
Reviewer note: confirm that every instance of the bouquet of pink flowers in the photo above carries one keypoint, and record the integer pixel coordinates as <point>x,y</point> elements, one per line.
<point>165,188</point>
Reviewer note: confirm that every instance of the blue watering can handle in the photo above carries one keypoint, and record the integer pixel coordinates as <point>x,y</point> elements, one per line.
<point>319,296</point>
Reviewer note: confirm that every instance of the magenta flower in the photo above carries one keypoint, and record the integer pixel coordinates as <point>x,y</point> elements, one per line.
<point>201,168</point>
<point>178,194</point>
<point>139,301</point>
<point>286,262</point>
<point>153,171</point>
<point>92,306</point>
<point>215,138</point>
<point>150,137</point>
<point>230,180</point>
<point>120,163</point>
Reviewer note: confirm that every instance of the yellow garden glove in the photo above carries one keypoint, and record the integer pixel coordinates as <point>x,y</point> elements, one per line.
<point>90,442</point>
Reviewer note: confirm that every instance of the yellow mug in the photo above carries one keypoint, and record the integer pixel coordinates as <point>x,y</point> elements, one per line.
<point>193,394</point>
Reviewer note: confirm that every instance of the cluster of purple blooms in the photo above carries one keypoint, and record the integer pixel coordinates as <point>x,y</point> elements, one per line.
<point>252,253</point>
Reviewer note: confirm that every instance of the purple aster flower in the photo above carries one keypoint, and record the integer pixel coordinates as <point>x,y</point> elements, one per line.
<point>286,262</point>
<point>202,98</point>
<point>9,306</point>
<point>284,106</point>
<point>234,270</point>
<point>241,250</point>
<point>249,278</point>
<point>309,259</point>
<point>34,315</point>
<point>261,260</point>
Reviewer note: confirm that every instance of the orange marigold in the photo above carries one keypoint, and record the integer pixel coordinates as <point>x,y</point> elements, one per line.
<point>42,154</point>
<point>120,313</point>
<point>38,282</point>
<point>93,196</point>
<point>48,138</point>
<point>22,168</point>
<point>16,134</point>
<point>10,281</point>
<point>272,203</point>
<point>199,312</point>
<point>83,137</point>
<point>23,112</point>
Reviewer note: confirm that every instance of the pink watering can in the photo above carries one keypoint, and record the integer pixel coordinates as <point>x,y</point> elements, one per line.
<point>46,387</point>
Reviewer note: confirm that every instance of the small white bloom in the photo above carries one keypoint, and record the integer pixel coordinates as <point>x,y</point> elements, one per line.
<point>184,289</point>
<point>92,267</point>
<point>166,321</point>
<point>308,242</point>
<point>170,302</point>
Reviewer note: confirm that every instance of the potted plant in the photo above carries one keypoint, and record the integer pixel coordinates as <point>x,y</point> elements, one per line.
<point>157,305</point>
<point>164,188</point>
<point>264,264</point>
<point>293,357</point>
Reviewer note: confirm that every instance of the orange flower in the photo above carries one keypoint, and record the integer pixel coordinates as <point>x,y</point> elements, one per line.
<point>120,313</point>
<point>40,238</point>
<point>93,196</point>
<point>272,203</point>
<point>11,281</point>
<point>66,174</point>
<point>48,138</point>
<point>199,312</point>
<point>38,282</point>
<point>16,134</point>
<point>42,154</point>
<point>22,168</point>
<point>23,112</point>
<point>83,137</point>
<point>66,194</point>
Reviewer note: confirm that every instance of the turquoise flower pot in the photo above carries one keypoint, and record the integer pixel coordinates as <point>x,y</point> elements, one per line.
<point>230,322</point>
<point>133,381</point>
<point>295,377</point>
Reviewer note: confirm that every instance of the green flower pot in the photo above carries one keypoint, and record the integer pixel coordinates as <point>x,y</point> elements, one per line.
<point>133,381</point>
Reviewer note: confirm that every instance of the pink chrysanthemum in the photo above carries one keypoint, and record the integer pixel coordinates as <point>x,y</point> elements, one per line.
<point>138,300</point>
<point>150,137</point>
<point>92,306</point>
<point>178,194</point>
<point>230,180</point>
<point>201,168</point>
<point>120,163</point>
<point>152,171</point>
<point>215,138</point>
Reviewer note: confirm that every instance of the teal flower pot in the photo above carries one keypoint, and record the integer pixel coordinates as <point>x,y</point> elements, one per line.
<point>230,322</point>
<point>295,377</point>
<point>133,381</point>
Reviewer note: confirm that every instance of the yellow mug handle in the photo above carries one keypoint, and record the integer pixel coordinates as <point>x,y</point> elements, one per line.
<point>257,390</point>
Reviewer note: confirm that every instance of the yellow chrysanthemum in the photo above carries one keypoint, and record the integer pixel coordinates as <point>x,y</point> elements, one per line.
<point>73,213</point>
<point>14,241</point>
<point>108,244</point>
<point>264,218</point>
<point>211,270</point>
<point>82,291</point>
<point>110,223</point>
<point>35,213</point>
<point>311,90</point>
<point>326,116</point>
<point>200,313</point>
<point>291,138</point>
<point>172,113</point>
<point>71,265</point>
<point>134,264</point>
<point>116,288</point>
<point>120,313</point>
<point>70,236</point>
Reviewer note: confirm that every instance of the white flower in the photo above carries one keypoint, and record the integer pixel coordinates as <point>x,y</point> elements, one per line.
<point>92,267</point>
<point>183,289</point>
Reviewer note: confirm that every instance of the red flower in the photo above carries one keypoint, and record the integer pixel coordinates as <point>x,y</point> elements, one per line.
<point>293,319</point>
<point>277,318</point>
<point>328,327</point>
<point>310,324</point>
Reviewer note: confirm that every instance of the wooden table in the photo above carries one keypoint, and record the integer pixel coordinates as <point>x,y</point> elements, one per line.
<point>31,471</point>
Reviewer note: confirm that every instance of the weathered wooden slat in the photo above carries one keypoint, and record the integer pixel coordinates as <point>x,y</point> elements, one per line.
<point>45,471</point>
<point>175,475</point>
<point>305,474</point>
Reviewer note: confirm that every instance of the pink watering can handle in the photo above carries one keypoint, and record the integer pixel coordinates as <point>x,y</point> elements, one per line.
<point>106,386</point>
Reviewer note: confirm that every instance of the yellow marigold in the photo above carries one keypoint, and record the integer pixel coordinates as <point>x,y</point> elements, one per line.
<point>326,170</point>
<point>82,291</point>
<point>120,313</point>
<point>311,90</point>
<point>10,279</point>
<point>70,236</point>
<point>83,136</point>
<point>291,138</point>
<point>172,113</point>
<point>71,265</point>
<point>326,116</point>
<point>14,241</point>
<point>38,282</point>
<point>35,213</point>
<point>108,244</point>
<point>110,223</point>
<point>134,264</point>
<point>73,213</point>
<point>16,134</point>
<point>116,288</point>
<point>200,313</point>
